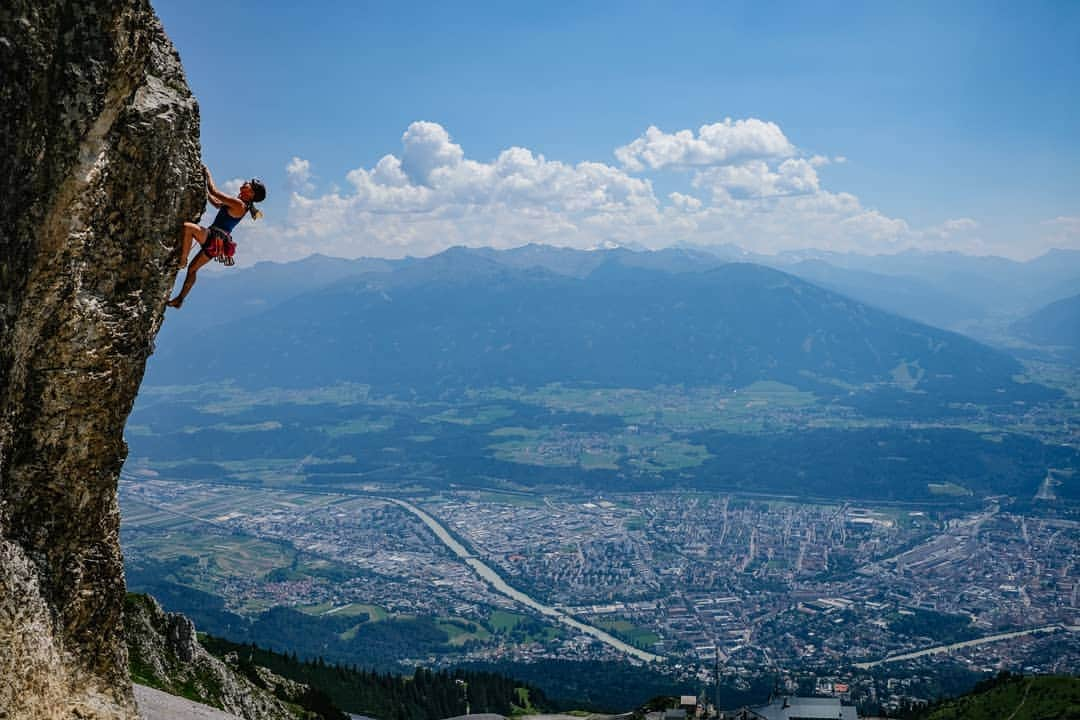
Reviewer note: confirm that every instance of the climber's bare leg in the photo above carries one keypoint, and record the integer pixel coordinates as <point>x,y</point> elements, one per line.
<point>192,232</point>
<point>189,279</point>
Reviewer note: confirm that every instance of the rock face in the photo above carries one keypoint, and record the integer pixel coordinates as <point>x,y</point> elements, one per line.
<point>99,167</point>
<point>165,654</point>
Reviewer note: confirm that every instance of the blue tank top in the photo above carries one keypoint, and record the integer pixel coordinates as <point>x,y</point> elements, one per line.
<point>225,221</point>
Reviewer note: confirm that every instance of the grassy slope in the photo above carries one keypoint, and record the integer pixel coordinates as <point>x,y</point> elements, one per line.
<point>1013,698</point>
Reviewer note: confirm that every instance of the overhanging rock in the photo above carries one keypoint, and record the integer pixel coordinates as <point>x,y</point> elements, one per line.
<point>99,167</point>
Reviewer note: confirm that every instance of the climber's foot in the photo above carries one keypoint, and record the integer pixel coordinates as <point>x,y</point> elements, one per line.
<point>175,303</point>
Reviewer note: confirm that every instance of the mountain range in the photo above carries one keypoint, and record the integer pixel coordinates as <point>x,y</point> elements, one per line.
<point>969,293</point>
<point>973,294</point>
<point>537,315</point>
<point>1057,324</point>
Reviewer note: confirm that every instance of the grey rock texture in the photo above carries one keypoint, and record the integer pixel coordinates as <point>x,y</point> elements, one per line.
<point>165,654</point>
<point>99,167</point>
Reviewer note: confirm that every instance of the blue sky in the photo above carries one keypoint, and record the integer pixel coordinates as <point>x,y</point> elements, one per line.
<point>871,127</point>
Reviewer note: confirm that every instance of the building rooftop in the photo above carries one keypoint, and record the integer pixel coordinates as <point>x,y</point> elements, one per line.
<point>804,708</point>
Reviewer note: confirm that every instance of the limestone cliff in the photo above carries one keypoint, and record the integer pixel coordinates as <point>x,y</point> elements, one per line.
<point>164,653</point>
<point>99,167</point>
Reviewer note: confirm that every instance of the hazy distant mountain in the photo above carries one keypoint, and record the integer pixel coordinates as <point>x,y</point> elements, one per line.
<point>228,295</point>
<point>468,318</point>
<point>945,289</point>
<point>949,290</point>
<point>903,295</point>
<point>579,263</point>
<point>231,294</point>
<point>1057,268</point>
<point>1057,324</point>
<point>998,285</point>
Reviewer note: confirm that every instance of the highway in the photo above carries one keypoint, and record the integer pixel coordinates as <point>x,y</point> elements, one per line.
<point>495,580</point>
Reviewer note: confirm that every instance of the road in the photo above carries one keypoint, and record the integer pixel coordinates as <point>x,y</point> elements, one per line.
<point>967,643</point>
<point>495,580</point>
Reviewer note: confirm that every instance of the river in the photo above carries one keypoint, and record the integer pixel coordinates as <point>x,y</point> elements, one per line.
<point>495,580</point>
<point>967,643</point>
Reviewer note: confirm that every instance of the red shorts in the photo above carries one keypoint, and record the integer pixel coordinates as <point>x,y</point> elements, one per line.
<point>219,244</point>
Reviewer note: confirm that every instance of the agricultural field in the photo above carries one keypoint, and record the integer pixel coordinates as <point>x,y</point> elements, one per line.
<point>766,436</point>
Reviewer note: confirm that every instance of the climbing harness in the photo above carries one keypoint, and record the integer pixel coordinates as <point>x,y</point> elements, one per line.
<point>220,246</point>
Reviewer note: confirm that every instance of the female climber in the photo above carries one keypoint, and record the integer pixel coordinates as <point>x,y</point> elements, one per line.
<point>216,240</point>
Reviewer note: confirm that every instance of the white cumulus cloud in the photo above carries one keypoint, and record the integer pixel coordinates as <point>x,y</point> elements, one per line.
<point>717,144</point>
<point>736,181</point>
<point>951,228</point>
<point>433,196</point>
<point>298,175</point>
<point>685,202</point>
<point>427,149</point>
<point>231,186</point>
<point>755,178</point>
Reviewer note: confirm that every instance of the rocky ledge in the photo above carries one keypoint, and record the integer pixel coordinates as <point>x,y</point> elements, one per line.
<point>165,654</point>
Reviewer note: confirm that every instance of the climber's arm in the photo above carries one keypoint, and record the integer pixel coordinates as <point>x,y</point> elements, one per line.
<point>219,199</point>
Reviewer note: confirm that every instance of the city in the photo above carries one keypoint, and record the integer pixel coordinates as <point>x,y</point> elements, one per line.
<point>823,592</point>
